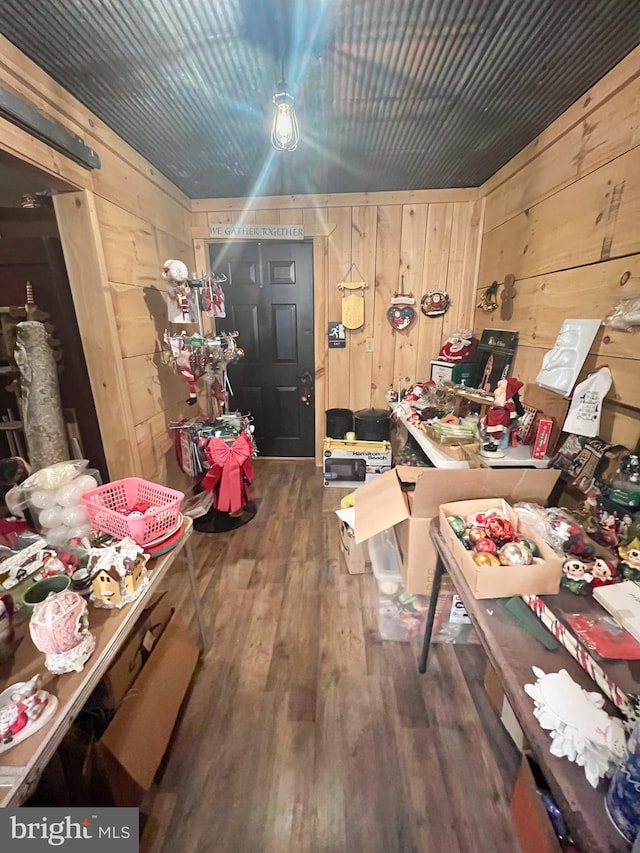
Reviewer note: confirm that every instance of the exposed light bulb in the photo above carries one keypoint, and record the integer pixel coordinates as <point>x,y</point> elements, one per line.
<point>285,134</point>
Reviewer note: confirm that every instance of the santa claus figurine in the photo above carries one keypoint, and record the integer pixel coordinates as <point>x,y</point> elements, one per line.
<point>502,416</point>
<point>459,348</point>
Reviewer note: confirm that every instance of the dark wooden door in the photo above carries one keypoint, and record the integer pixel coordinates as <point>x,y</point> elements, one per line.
<point>269,300</point>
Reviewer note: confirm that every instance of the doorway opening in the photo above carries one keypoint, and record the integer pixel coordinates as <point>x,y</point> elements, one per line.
<point>269,301</point>
<point>31,253</point>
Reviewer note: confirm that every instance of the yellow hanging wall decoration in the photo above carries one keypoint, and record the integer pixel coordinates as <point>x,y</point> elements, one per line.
<point>352,300</point>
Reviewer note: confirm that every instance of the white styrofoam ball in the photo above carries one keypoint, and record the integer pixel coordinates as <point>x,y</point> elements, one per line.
<point>84,530</point>
<point>41,498</point>
<point>66,495</point>
<point>84,483</point>
<point>15,502</point>
<point>51,516</point>
<point>58,535</point>
<point>75,516</point>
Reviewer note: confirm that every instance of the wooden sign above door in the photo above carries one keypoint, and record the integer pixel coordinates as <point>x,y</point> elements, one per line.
<point>231,231</point>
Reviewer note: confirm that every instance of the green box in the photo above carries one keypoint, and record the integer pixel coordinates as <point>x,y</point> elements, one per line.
<point>444,371</point>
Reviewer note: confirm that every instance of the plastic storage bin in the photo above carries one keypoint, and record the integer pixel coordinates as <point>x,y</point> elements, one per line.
<point>401,615</point>
<point>386,560</point>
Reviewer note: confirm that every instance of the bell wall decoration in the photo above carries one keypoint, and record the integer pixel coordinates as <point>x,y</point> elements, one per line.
<point>488,297</point>
<point>401,313</point>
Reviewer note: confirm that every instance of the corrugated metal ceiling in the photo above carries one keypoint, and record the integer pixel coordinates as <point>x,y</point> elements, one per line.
<point>390,94</point>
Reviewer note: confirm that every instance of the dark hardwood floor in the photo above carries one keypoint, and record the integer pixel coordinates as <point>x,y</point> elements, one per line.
<point>303,731</point>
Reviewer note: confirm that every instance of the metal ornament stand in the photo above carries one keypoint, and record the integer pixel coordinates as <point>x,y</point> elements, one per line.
<point>216,350</point>
<point>196,287</point>
<point>203,355</point>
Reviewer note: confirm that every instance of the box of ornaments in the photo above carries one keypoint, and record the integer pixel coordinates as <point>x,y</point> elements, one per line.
<point>497,552</point>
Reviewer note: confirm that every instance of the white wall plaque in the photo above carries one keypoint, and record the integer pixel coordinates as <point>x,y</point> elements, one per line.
<point>231,231</point>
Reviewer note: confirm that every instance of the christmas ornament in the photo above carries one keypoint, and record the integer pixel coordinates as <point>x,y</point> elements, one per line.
<point>479,519</point>
<point>531,545</point>
<point>488,301</point>
<point>457,524</point>
<point>500,529</point>
<point>486,544</point>
<point>515,554</point>
<point>434,303</point>
<point>401,313</point>
<point>476,533</point>
<point>484,558</point>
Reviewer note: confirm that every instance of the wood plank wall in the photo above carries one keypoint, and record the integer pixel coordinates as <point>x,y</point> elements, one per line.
<point>429,237</point>
<point>564,217</point>
<point>134,219</point>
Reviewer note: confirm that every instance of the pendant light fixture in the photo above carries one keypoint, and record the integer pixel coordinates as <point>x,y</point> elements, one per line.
<point>285,133</point>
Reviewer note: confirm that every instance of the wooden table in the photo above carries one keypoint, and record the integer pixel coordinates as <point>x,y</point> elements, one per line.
<point>21,766</point>
<point>512,653</point>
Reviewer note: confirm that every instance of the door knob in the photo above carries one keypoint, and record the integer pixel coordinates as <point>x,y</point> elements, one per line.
<point>306,380</point>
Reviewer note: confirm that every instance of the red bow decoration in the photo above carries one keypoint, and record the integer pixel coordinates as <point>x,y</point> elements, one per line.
<point>230,473</point>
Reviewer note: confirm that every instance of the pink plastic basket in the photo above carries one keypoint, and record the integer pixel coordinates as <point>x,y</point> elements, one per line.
<point>106,504</point>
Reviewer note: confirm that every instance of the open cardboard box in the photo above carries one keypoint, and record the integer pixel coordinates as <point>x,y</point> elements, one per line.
<point>385,502</point>
<point>137,648</point>
<point>542,577</point>
<point>356,557</point>
<point>131,749</point>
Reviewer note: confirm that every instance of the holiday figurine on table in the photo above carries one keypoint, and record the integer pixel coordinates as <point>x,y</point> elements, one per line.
<point>460,348</point>
<point>575,576</point>
<point>587,513</point>
<point>502,417</point>
<point>604,572</point>
<point>629,567</point>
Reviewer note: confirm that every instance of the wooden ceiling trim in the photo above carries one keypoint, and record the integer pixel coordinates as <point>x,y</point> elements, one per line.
<point>444,196</point>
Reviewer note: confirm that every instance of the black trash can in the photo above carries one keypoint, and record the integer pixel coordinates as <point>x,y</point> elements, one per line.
<point>339,422</point>
<point>373,424</point>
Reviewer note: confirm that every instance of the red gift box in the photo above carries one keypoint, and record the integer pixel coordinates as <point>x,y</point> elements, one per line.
<point>543,436</point>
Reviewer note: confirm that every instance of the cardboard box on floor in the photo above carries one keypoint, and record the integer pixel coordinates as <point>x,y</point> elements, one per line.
<point>131,749</point>
<point>355,557</point>
<point>384,503</point>
<point>137,648</point>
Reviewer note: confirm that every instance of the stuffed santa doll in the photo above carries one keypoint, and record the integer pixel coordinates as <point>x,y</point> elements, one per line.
<point>459,348</point>
<point>504,413</point>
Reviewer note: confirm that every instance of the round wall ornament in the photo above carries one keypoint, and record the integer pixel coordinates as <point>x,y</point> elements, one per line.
<point>434,303</point>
